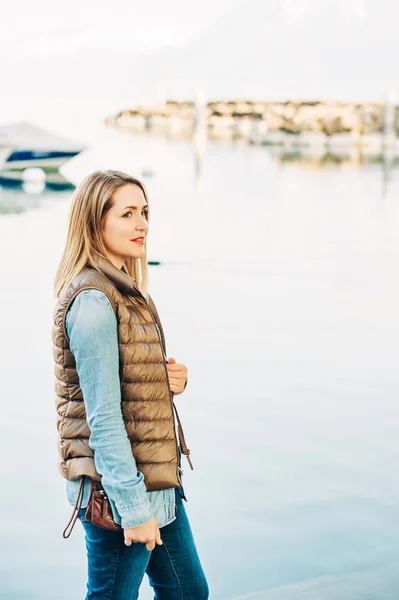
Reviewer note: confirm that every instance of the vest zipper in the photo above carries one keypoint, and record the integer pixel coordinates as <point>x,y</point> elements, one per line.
<point>170,396</point>
<point>167,382</point>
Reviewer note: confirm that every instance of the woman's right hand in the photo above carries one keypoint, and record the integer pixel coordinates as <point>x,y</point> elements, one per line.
<point>147,534</point>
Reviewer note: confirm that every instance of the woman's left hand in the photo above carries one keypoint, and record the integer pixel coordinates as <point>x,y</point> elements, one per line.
<point>177,374</point>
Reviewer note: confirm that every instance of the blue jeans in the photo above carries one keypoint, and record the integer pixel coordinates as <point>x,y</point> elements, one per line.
<point>115,571</point>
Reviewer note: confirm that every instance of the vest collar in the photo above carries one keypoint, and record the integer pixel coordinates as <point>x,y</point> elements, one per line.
<point>119,278</point>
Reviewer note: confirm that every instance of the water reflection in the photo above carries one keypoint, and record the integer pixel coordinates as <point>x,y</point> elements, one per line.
<point>325,159</point>
<point>279,289</point>
<point>19,199</point>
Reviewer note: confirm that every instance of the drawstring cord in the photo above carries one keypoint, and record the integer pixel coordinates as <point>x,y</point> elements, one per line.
<point>76,509</point>
<point>157,322</point>
<point>183,444</point>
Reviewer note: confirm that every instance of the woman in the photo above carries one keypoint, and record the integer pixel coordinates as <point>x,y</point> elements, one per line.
<point>115,411</point>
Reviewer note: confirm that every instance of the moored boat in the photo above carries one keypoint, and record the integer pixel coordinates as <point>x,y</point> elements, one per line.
<point>24,145</point>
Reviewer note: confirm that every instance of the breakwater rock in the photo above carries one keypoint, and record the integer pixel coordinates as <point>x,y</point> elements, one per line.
<point>258,118</point>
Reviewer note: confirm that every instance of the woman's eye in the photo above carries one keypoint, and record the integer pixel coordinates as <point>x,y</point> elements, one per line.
<point>143,212</point>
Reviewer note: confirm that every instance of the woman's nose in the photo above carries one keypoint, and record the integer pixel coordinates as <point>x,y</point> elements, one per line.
<point>142,225</point>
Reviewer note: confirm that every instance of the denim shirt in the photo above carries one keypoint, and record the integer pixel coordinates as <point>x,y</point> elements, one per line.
<point>92,329</point>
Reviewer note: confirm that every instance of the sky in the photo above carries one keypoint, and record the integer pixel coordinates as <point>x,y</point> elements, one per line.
<point>65,62</point>
<point>81,60</point>
<point>44,27</point>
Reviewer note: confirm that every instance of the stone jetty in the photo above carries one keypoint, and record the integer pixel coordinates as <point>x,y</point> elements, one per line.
<point>301,123</point>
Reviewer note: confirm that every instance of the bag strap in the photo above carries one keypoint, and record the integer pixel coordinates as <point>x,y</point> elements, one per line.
<point>76,509</point>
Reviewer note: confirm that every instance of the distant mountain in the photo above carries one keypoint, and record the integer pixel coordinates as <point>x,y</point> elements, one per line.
<point>275,49</point>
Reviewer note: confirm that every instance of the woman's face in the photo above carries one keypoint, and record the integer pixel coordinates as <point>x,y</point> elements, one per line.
<point>123,223</point>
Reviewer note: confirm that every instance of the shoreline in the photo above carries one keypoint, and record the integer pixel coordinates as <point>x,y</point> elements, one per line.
<point>329,126</point>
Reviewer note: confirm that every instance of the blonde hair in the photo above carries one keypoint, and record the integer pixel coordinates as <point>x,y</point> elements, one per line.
<point>91,201</point>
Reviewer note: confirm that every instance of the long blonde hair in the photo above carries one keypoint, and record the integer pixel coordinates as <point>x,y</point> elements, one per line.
<point>91,201</point>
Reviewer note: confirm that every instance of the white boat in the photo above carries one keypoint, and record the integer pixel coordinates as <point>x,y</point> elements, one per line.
<point>4,153</point>
<point>23,145</point>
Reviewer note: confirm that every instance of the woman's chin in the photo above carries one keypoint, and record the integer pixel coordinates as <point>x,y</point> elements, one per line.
<point>137,254</point>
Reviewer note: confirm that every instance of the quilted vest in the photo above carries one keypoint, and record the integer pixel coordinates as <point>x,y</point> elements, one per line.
<point>147,401</point>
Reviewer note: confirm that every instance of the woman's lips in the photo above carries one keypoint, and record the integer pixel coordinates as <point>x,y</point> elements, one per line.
<point>138,240</point>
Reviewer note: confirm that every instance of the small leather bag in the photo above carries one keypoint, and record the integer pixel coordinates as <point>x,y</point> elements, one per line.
<point>98,509</point>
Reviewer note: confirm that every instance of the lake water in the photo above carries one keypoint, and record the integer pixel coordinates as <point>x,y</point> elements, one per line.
<point>278,288</point>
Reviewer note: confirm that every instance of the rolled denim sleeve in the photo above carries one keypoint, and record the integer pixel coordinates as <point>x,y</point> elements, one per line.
<point>92,330</point>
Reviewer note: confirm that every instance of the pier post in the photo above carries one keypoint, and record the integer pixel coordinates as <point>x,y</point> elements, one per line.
<point>388,139</point>
<point>200,129</point>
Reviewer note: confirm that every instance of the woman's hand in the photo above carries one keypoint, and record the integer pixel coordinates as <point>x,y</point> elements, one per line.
<point>147,534</point>
<point>177,374</point>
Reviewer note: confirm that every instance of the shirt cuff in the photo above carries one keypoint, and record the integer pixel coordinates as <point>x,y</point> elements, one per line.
<point>138,514</point>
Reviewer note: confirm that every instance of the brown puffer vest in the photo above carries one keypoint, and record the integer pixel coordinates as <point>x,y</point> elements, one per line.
<point>147,401</point>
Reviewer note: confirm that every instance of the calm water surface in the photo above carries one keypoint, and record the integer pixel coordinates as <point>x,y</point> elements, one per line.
<point>279,289</point>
